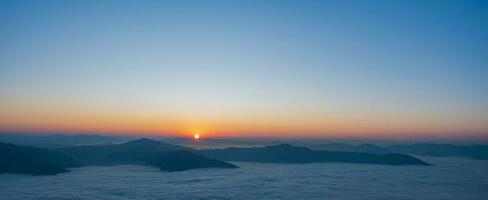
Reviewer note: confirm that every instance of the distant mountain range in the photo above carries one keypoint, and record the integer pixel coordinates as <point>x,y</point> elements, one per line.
<point>168,157</point>
<point>425,149</point>
<point>286,153</point>
<point>214,143</point>
<point>422,149</point>
<point>56,140</point>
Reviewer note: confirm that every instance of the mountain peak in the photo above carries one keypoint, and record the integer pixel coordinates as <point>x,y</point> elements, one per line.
<point>149,143</point>
<point>144,141</point>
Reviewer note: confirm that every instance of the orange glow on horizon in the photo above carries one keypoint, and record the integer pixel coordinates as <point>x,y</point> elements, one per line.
<point>76,120</point>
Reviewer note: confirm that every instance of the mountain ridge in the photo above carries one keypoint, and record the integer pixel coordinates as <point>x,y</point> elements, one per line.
<point>286,153</point>
<point>166,157</point>
<point>143,152</point>
<point>479,152</point>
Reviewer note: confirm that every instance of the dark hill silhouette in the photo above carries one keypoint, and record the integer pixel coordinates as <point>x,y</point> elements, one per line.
<point>425,149</point>
<point>166,157</point>
<point>31,160</point>
<point>286,153</point>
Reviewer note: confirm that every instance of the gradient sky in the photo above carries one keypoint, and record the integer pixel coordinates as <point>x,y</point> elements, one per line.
<point>332,69</point>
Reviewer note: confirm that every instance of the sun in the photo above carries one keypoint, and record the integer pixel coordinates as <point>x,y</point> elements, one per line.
<point>196,136</point>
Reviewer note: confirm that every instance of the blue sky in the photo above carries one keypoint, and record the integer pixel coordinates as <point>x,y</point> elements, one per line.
<point>418,63</point>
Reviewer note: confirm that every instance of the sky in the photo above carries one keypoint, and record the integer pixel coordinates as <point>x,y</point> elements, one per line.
<point>327,69</point>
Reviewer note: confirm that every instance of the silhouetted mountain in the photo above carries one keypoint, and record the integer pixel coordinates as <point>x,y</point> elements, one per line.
<point>55,140</point>
<point>286,153</point>
<point>31,160</point>
<point>437,150</point>
<point>166,157</point>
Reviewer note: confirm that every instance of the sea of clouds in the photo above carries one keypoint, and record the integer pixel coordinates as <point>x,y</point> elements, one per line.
<point>450,178</point>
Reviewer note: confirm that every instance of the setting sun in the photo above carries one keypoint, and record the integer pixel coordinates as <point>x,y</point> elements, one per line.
<point>196,136</point>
